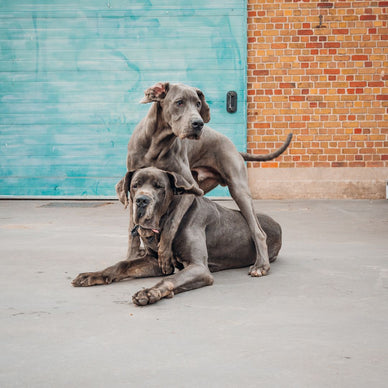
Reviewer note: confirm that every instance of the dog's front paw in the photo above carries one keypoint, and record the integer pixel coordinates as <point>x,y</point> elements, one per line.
<point>88,279</point>
<point>165,261</point>
<point>146,296</point>
<point>256,271</point>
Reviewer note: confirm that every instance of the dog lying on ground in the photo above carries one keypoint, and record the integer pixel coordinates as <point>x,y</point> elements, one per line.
<point>209,238</point>
<point>173,137</point>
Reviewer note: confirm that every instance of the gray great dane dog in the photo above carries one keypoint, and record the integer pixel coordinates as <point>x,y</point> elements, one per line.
<point>209,238</point>
<point>173,137</point>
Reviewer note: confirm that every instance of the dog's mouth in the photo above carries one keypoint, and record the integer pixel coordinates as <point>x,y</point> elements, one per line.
<point>151,230</point>
<point>191,136</point>
<point>144,232</point>
<point>149,225</point>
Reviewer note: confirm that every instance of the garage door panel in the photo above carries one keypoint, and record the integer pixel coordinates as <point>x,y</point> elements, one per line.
<point>189,6</point>
<point>89,167</point>
<point>26,95</point>
<point>108,114</point>
<point>60,186</point>
<point>111,23</point>
<point>100,80</point>
<point>98,44</point>
<point>34,94</point>
<point>119,62</point>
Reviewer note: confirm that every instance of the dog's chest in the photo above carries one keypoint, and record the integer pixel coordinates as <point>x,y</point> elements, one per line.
<point>150,239</point>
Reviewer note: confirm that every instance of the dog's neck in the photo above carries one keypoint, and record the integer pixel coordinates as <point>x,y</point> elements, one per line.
<point>155,145</point>
<point>159,136</point>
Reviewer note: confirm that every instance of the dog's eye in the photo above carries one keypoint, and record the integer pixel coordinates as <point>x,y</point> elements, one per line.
<point>179,103</point>
<point>135,185</point>
<point>198,104</point>
<point>158,185</point>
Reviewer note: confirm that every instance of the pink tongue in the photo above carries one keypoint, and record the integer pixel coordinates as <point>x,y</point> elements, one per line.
<point>155,231</point>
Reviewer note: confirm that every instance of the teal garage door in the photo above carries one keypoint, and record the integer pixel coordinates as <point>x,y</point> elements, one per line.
<point>72,73</point>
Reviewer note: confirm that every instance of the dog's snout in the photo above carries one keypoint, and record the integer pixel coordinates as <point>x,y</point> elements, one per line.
<point>197,124</point>
<point>143,201</point>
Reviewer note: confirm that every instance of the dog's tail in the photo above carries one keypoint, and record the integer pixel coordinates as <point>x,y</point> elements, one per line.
<point>262,158</point>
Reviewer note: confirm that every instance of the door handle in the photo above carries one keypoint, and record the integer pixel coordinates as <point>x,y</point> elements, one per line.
<point>231,101</point>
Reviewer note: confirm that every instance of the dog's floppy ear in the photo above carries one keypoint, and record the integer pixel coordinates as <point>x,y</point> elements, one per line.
<point>180,185</point>
<point>205,110</point>
<point>122,188</point>
<point>155,93</point>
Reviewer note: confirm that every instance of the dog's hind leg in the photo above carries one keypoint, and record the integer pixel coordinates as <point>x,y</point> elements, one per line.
<point>240,193</point>
<point>141,267</point>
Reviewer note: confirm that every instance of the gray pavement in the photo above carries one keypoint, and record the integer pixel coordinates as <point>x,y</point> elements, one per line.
<point>320,319</point>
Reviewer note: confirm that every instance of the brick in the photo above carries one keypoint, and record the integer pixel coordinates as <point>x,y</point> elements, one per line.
<point>332,45</point>
<point>350,151</point>
<point>368,17</point>
<point>376,84</point>
<point>287,85</point>
<point>356,164</point>
<point>297,98</point>
<point>321,164</point>
<point>331,71</point>
<point>269,165</point>
<point>261,72</point>
<point>325,5</point>
<point>279,46</point>
<point>374,164</point>
<point>270,138</point>
<point>304,164</point>
<point>359,57</point>
<point>305,32</point>
<point>340,31</point>
<point>338,164</point>
<point>313,45</point>
<point>359,137</point>
<point>357,84</point>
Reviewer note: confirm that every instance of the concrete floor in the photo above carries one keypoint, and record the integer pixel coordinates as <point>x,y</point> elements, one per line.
<point>320,319</point>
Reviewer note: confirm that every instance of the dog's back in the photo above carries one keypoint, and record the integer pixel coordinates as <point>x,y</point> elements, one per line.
<point>226,235</point>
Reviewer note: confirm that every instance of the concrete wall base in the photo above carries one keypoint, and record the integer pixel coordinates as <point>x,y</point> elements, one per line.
<point>319,183</point>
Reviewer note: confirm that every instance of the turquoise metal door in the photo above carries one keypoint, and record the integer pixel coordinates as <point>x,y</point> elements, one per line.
<point>72,73</point>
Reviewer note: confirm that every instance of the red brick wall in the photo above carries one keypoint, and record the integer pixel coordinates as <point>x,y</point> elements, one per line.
<point>327,84</point>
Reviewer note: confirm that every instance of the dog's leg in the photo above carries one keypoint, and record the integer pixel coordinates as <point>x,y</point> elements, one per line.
<point>170,228</point>
<point>133,241</point>
<point>240,193</point>
<point>192,251</point>
<point>142,267</point>
<point>193,276</point>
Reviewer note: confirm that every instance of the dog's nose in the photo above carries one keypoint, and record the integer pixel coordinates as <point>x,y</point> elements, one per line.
<point>142,201</point>
<point>197,125</point>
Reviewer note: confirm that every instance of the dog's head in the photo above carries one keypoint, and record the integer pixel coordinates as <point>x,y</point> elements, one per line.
<point>151,192</point>
<point>184,108</point>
